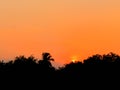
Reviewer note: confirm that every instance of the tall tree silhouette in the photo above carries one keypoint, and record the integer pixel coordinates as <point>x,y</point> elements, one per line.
<point>46,60</point>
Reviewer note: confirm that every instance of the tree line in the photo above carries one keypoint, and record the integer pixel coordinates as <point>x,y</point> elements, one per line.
<point>97,70</point>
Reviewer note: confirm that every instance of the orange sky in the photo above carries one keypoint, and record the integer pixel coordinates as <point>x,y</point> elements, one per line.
<point>65,28</point>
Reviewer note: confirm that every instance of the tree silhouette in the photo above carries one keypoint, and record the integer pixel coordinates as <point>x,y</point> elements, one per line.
<point>111,58</point>
<point>95,59</point>
<point>46,60</point>
<point>97,70</point>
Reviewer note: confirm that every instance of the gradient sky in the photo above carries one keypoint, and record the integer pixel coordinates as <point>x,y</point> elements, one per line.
<point>65,28</point>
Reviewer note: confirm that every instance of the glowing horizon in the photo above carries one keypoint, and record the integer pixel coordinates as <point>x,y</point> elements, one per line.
<point>65,28</point>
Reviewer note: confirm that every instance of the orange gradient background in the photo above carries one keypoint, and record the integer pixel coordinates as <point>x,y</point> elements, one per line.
<point>65,28</point>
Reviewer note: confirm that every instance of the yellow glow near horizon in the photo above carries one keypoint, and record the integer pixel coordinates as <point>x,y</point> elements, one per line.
<point>74,59</point>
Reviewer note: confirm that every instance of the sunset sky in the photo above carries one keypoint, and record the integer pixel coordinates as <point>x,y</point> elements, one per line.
<point>65,28</point>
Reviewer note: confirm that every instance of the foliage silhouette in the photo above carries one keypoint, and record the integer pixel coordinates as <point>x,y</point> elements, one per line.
<point>46,60</point>
<point>97,70</point>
